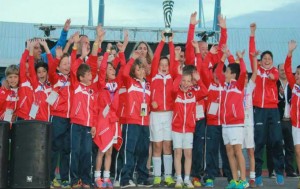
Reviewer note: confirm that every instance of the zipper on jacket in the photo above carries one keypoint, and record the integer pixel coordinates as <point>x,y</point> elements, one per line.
<point>184,117</point>
<point>263,93</point>
<point>88,111</point>
<point>68,111</point>
<point>164,94</point>
<point>131,111</point>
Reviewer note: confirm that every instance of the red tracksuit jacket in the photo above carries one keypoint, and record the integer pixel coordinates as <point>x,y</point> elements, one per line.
<point>162,85</point>
<point>232,108</point>
<point>184,113</point>
<point>265,94</point>
<point>84,98</point>
<point>295,101</point>
<point>136,95</point>
<point>25,91</point>
<point>41,92</point>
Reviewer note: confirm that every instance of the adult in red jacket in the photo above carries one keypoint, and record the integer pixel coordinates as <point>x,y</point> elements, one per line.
<point>294,83</point>
<point>266,114</point>
<point>136,145</point>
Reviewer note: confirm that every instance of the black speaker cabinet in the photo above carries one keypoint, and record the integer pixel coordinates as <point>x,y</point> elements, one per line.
<point>30,152</point>
<point>4,148</point>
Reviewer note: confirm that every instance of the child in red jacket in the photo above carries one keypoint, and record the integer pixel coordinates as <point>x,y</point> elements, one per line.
<point>294,82</point>
<point>232,116</point>
<point>161,112</point>
<point>267,125</point>
<point>184,120</point>
<point>9,94</point>
<point>108,132</point>
<point>40,109</point>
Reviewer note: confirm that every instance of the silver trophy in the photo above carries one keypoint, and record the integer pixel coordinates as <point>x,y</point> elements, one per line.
<point>168,9</point>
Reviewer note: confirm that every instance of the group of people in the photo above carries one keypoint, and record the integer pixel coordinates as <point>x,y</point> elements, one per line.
<point>188,103</point>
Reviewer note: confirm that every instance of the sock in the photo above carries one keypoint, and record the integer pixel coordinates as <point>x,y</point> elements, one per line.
<point>106,175</point>
<point>97,174</point>
<point>252,174</point>
<point>186,178</point>
<point>168,162</point>
<point>157,166</point>
<point>179,178</point>
<point>239,173</point>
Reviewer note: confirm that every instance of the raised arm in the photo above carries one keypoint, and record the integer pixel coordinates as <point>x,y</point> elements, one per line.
<point>202,93</point>
<point>122,48</point>
<point>223,38</point>
<point>76,64</point>
<point>288,64</point>
<point>189,49</point>
<point>252,46</point>
<point>126,71</point>
<point>205,72</point>
<point>255,64</point>
<point>61,41</point>
<point>172,55</point>
<point>23,60</point>
<point>242,77</point>
<point>156,56</point>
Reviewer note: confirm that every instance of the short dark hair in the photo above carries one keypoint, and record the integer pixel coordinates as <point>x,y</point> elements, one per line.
<point>82,69</point>
<point>164,58</point>
<point>188,69</point>
<point>41,64</point>
<point>63,56</point>
<point>235,69</point>
<point>266,52</point>
<point>216,65</point>
<point>136,63</point>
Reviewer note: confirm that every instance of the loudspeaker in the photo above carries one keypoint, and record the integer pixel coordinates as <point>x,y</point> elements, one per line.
<point>4,146</point>
<point>31,160</point>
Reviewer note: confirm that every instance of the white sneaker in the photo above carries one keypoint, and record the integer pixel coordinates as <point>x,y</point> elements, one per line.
<point>132,183</point>
<point>188,184</point>
<point>117,184</point>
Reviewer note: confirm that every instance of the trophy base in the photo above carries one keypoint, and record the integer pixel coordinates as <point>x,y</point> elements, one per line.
<point>168,32</point>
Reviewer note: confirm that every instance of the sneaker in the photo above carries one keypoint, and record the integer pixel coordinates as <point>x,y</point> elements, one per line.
<point>146,184</point>
<point>209,183</point>
<point>76,185</point>
<point>292,175</point>
<point>179,184</point>
<point>128,185</point>
<point>196,182</point>
<point>169,182</point>
<point>272,175</point>
<point>188,184</point>
<point>117,184</point>
<point>86,186</point>
<point>157,181</point>
<point>242,184</point>
<point>252,183</point>
<point>99,183</point>
<point>258,181</point>
<point>232,184</point>
<point>65,184</point>
<point>107,183</point>
<point>279,179</point>
<point>55,184</point>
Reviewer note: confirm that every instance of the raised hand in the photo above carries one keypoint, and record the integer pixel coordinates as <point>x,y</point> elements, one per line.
<point>196,76</point>
<point>136,54</point>
<point>163,37</point>
<point>255,54</point>
<point>195,44</point>
<point>43,42</point>
<point>85,51</point>
<point>222,21</point>
<point>171,37</point>
<point>76,37</point>
<point>240,54</point>
<point>213,49</point>
<point>67,25</point>
<point>58,52</point>
<point>108,47</point>
<point>292,45</point>
<point>126,36</point>
<point>193,19</point>
<point>252,28</point>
